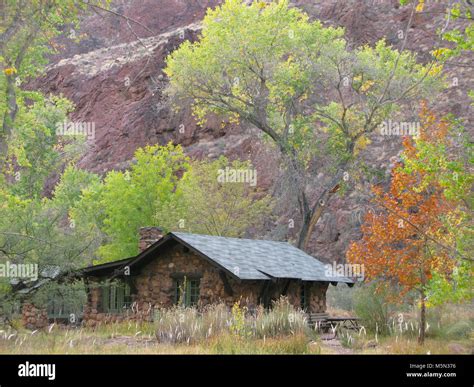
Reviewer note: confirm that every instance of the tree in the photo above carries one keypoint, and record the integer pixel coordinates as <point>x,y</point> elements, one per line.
<point>411,239</point>
<point>125,201</point>
<point>27,32</point>
<point>461,36</point>
<point>442,155</point>
<point>208,203</point>
<point>164,188</point>
<point>35,230</point>
<point>37,152</point>
<point>300,84</point>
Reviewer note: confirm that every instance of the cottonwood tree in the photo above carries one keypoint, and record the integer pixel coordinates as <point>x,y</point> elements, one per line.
<point>27,32</point>
<point>32,227</point>
<point>35,230</point>
<point>315,99</point>
<point>215,203</point>
<point>163,187</point>
<point>126,200</point>
<point>412,236</point>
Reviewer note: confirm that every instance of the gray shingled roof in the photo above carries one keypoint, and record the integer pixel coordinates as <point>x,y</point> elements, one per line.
<point>250,259</point>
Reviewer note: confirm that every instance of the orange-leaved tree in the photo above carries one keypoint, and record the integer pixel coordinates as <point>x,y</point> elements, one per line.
<point>406,239</point>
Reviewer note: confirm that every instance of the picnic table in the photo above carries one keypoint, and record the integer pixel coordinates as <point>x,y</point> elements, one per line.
<point>328,323</point>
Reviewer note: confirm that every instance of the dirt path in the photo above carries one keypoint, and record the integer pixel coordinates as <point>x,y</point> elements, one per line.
<point>329,345</point>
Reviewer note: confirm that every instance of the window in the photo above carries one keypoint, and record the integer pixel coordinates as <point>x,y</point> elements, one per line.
<point>186,291</point>
<point>65,300</point>
<point>304,296</point>
<point>57,308</point>
<point>116,297</point>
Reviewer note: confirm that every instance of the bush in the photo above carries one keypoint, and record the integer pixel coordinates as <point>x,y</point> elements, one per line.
<point>373,308</point>
<point>460,330</point>
<point>341,297</point>
<point>451,321</point>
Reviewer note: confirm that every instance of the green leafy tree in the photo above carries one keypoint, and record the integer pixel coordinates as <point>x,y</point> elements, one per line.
<point>460,35</point>
<point>36,231</point>
<point>314,98</point>
<point>27,32</point>
<point>126,201</point>
<point>443,156</point>
<point>208,203</point>
<point>37,151</point>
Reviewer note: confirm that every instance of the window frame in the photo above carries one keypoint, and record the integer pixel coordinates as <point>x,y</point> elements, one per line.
<point>191,293</point>
<point>116,297</point>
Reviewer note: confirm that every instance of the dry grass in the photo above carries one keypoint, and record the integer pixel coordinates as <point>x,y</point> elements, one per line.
<point>222,331</point>
<point>83,341</point>
<point>177,330</point>
<point>431,346</point>
<point>126,339</point>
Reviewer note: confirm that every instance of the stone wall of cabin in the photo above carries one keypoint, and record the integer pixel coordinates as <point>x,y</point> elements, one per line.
<point>155,288</point>
<point>33,317</point>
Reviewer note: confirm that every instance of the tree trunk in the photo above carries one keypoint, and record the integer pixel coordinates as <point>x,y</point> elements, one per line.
<point>421,338</point>
<point>8,118</point>
<point>304,232</point>
<point>314,215</point>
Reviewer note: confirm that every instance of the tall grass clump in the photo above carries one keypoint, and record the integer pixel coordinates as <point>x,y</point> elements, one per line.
<point>283,319</point>
<point>190,325</point>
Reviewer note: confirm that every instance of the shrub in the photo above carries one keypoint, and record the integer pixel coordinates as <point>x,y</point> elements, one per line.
<point>460,330</point>
<point>239,325</point>
<point>373,308</point>
<point>341,297</point>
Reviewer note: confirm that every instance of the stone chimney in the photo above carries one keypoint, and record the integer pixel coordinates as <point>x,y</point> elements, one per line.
<point>148,236</point>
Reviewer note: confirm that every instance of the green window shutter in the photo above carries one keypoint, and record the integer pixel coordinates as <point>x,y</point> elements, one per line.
<point>188,294</point>
<point>113,298</point>
<point>127,298</point>
<point>176,292</point>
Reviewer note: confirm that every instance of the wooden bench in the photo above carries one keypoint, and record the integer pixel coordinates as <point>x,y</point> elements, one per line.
<point>315,318</point>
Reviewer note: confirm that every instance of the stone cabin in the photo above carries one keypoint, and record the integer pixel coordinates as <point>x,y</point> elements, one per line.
<point>198,270</point>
